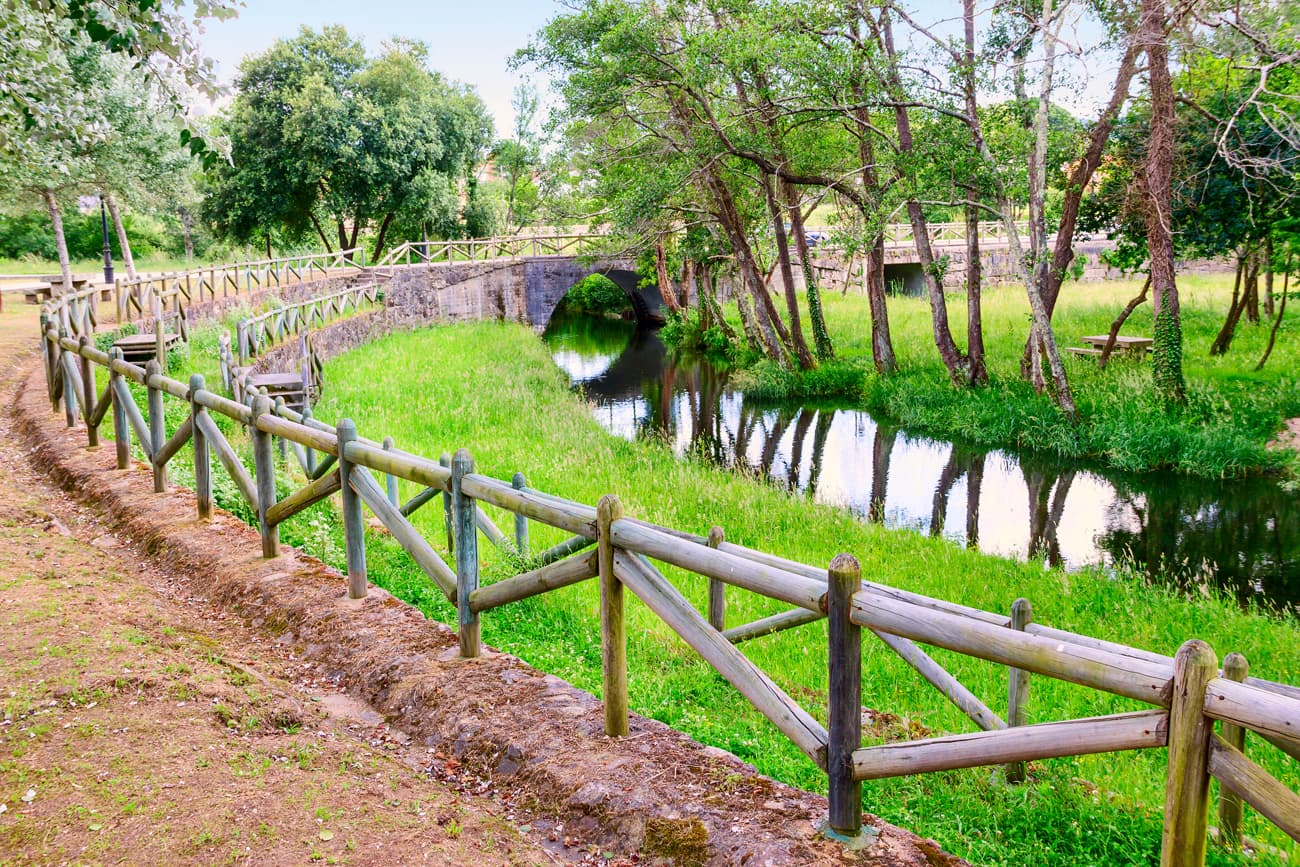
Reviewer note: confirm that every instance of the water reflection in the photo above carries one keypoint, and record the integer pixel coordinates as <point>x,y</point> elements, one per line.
<point>1243,535</point>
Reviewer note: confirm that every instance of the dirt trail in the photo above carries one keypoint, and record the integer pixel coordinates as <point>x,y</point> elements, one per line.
<point>143,725</point>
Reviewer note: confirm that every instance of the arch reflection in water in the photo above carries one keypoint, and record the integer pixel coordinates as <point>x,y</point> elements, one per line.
<point>1241,535</point>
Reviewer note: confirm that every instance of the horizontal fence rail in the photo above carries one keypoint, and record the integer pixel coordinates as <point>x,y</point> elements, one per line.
<point>1189,692</point>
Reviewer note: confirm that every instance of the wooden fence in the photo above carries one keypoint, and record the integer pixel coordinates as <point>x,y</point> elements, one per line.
<point>152,296</point>
<point>255,334</point>
<point>1188,692</point>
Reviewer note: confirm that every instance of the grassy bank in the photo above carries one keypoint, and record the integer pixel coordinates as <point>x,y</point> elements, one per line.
<point>1232,413</point>
<point>493,388</point>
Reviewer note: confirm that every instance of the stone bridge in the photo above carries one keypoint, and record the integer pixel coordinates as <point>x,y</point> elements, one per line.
<point>526,289</point>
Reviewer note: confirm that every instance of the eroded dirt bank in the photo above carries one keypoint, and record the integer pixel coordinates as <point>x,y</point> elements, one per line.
<point>505,725</point>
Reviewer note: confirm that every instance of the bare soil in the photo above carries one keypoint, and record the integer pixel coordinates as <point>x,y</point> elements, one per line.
<point>216,706</point>
<point>142,724</point>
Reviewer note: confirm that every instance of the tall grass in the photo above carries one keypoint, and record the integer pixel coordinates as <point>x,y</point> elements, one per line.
<point>492,387</point>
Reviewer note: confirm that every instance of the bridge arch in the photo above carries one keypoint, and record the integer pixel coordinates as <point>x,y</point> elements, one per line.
<point>550,279</point>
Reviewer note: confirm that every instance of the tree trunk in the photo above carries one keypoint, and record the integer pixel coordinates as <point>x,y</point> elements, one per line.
<point>123,243</point>
<point>979,373</point>
<point>798,343</point>
<point>319,231</point>
<point>1252,291</point>
<point>1167,358</point>
<point>60,240</point>
<point>661,277</point>
<point>1224,338</point>
<point>882,344</point>
<point>1277,323</point>
<point>1268,277</point>
<point>957,364</point>
<point>1042,322</point>
<point>821,337</point>
<point>267,236</point>
<point>773,341</point>
<point>1119,323</point>
<point>382,239</point>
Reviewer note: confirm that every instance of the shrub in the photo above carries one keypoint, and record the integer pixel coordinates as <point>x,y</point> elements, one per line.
<point>596,294</point>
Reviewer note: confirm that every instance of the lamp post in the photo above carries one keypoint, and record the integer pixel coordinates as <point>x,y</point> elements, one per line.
<point>108,251</point>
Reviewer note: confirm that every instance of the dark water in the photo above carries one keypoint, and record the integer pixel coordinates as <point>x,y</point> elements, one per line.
<point>1241,535</point>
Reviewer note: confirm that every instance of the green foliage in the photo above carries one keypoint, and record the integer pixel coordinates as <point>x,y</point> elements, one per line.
<point>322,134</point>
<point>104,340</point>
<point>1167,360</point>
<point>837,380</point>
<point>596,294</point>
<point>684,330</point>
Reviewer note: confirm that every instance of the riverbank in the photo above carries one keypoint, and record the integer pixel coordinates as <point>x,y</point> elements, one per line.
<point>493,388</point>
<point>1232,417</point>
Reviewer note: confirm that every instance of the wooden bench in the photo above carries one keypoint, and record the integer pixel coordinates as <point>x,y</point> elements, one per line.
<point>139,348</point>
<point>38,294</point>
<point>286,385</point>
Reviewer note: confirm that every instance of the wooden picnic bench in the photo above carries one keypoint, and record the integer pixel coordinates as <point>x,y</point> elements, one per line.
<point>139,348</point>
<point>289,386</point>
<point>1096,343</point>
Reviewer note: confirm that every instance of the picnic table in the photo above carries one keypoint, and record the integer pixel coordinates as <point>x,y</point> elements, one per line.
<point>1137,346</point>
<point>139,348</point>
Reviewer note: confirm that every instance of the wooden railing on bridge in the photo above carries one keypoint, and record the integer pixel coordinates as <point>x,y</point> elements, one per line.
<point>1188,691</point>
<point>151,296</point>
<point>486,249</point>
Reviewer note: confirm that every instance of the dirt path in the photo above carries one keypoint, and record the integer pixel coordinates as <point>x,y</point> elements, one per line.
<point>142,725</point>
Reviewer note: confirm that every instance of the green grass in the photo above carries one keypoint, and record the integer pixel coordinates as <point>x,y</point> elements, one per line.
<point>1231,416</point>
<point>492,388</point>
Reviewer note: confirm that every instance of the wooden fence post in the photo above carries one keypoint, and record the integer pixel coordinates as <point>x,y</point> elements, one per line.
<point>519,482</point>
<point>844,578</point>
<point>613,628</point>
<point>160,342</point>
<point>281,444</point>
<point>70,396</point>
<point>264,468</point>
<point>717,589</point>
<point>88,392</point>
<point>309,452</point>
<point>45,354</point>
<point>202,460</point>
<point>157,423</point>
<point>121,431</point>
<point>390,480</point>
<point>444,460</point>
<point>1187,784</point>
<point>1235,667</point>
<point>1022,614</point>
<point>464,521</point>
<point>354,531</point>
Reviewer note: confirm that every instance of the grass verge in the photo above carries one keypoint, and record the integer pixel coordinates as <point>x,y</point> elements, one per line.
<point>1231,416</point>
<point>493,388</point>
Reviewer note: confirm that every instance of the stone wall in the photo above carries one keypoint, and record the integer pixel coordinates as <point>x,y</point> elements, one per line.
<point>998,267</point>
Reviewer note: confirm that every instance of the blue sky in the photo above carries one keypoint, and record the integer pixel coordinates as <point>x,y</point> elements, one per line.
<point>470,41</point>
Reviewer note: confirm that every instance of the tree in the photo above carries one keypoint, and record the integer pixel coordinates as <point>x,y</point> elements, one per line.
<point>322,134</point>
<point>517,157</point>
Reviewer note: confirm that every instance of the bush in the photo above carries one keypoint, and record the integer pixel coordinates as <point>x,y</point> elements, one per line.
<point>684,331</point>
<point>596,294</point>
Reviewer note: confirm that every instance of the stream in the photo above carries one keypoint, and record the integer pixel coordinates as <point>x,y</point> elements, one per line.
<point>1240,535</point>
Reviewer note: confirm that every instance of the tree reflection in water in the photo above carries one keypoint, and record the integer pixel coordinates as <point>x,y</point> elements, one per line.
<point>1241,535</point>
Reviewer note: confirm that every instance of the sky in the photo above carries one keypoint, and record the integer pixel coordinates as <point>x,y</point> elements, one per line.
<point>470,41</point>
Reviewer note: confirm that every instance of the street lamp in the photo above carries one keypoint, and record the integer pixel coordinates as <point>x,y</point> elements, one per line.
<point>108,251</point>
